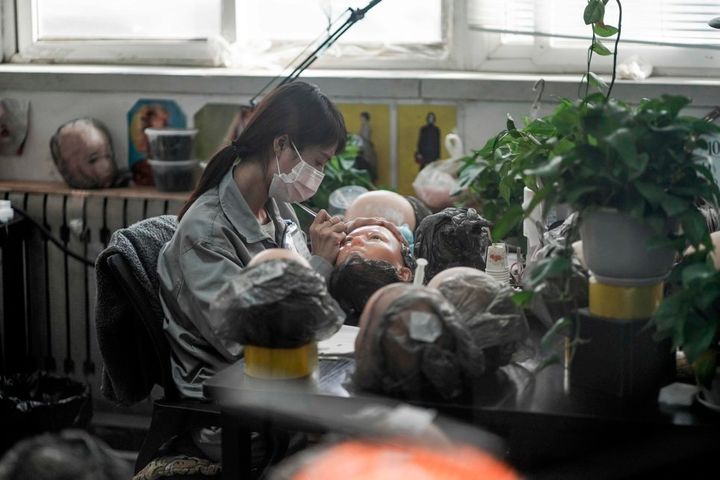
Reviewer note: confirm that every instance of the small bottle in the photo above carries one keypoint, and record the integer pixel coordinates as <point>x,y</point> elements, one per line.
<point>6,211</point>
<point>420,272</point>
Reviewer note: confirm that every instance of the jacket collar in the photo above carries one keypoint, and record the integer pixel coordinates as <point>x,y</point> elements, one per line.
<point>236,209</point>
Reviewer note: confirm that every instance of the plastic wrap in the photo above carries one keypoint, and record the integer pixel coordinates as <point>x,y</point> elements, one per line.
<point>417,347</point>
<point>276,304</point>
<point>434,183</point>
<point>497,325</point>
<point>419,209</point>
<point>549,305</point>
<point>454,237</point>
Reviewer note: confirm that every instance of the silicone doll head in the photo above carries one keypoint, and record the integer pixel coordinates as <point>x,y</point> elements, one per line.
<point>384,204</point>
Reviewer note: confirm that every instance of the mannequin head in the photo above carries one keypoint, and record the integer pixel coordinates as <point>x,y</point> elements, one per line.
<point>391,206</point>
<point>371,257</point>
<point>83,153</point>
<point>277,301</point>
<point>453,237</point>
<point>278,254</point>
<point>412,345</point>
<point>485,307</point>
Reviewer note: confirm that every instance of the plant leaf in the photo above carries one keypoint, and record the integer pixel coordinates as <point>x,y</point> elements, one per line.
<point>704,367</point>
<point>549,168</point>
<point>512,217</point>
<point>596,81</point>
<point>695,272</point>
<point>602,30</point>
<point>600,49</point>
<point>559,328</point>
<point>623,142</point>
<point>693,224</point>
<point>548,267</point>
<point>652,193</point>
<point>523,298</point>
<point>698,334</point>
<point>594,12</point>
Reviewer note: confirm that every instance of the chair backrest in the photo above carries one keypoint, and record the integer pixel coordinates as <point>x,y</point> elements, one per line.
<point>146,321</point>
<point>129,311</point>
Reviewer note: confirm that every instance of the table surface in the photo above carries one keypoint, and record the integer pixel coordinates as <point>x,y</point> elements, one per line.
<point>541,422</point>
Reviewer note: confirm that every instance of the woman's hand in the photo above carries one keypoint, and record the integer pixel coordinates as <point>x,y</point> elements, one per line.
<point>326,235</point>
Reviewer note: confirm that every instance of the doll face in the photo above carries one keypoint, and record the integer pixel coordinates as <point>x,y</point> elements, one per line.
<point>373,242</point>
<point>84,155</point>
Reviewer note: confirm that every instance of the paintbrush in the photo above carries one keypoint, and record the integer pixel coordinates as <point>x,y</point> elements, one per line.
<point>307,209</point>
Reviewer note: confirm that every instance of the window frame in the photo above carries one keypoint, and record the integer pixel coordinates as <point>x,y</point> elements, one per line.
<point>195,52</point>
<point>203,52</point>
<point>541,56</point>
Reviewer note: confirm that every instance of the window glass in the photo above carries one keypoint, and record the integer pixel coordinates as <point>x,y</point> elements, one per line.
<point>127,19</point>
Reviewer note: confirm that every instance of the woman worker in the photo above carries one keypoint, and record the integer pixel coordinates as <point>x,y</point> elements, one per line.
<point>241,207</point>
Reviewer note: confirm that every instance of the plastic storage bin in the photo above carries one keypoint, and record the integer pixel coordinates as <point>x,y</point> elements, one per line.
<point>177,176</point>
<point>171,144</point>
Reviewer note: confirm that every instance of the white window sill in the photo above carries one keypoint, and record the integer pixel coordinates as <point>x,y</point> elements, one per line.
<point>339,84</point>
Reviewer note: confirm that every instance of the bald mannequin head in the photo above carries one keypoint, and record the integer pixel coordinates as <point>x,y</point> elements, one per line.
<point>82,151</point>
<point>384,204</point>
<point>278,254</point>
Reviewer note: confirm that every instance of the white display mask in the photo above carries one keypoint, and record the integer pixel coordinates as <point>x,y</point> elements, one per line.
<point>297,186</point>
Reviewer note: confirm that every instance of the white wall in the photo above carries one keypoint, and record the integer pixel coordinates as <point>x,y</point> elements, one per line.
<point>61,93</point>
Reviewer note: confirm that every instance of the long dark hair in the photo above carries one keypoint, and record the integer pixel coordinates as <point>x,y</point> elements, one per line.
<point>296,109</point>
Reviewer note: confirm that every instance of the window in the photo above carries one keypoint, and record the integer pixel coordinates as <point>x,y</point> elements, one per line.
<point>666,33</point>
<point>247,33</point>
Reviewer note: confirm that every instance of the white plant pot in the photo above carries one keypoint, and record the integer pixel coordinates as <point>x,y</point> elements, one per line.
<point>615,250</point>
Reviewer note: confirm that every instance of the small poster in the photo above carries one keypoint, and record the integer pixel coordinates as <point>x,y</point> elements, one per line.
<point>421,131</point>
<point>218,124</point>
<point>371,123</point>
<point>148,113</point>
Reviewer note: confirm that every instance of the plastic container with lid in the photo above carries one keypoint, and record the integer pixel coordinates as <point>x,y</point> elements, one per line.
<point>171,144</point>
<point>177,176</point>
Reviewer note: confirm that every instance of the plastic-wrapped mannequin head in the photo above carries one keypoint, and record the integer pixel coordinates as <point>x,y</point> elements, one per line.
<point>412,344</point>
<point>391,206</point>
<point>275,303</point>
<point>83,153</point>
<point>370,258</point>
<point>454,237</point>
<point>497,325</point>
<point>278,254</point>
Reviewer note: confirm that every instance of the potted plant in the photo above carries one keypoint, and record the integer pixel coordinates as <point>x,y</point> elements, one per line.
<point>690,317</point>
<point>645,165</point>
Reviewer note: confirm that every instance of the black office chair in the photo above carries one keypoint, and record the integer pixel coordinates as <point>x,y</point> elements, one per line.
<point>129,321</point>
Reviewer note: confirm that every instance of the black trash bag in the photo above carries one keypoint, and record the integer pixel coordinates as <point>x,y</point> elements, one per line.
<point>454,237</point>
<point>416,347</point>
<point>38,402</point>
<point>276,304</point>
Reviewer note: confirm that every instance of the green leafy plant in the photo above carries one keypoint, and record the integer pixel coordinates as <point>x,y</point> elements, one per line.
<point>486,178</point>
<point>691,315</point>
<point>647,161</point>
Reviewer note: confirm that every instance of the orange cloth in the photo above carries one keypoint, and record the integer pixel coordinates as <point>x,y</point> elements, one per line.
<point>357,460</point>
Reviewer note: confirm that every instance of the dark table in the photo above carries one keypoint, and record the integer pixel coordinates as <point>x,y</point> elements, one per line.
<point>550,433</point>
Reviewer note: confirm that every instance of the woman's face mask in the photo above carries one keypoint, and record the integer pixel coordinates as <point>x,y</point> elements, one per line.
<point>297,186</point>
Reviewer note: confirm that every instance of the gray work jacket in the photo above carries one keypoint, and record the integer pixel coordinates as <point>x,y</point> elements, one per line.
<point>215,239</point>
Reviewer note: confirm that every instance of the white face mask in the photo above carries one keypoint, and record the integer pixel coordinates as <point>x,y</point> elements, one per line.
<point>297,186</point>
